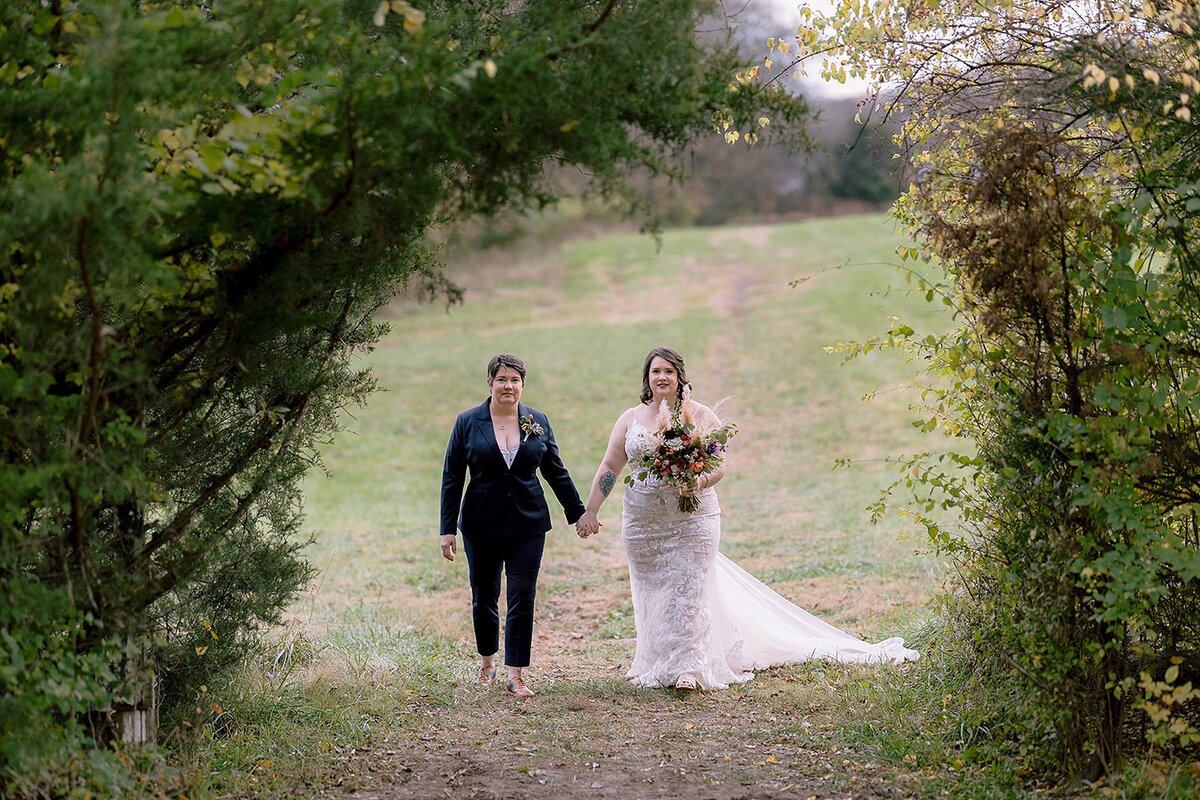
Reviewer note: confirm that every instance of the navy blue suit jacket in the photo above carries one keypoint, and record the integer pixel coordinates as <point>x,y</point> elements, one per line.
<point>502,501</point>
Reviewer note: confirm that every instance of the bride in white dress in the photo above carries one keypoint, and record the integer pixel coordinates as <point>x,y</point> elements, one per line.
<point>702,621</point>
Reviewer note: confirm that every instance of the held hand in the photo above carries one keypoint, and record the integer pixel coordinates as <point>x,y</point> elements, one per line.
<point>449,546</point>
<point>587,525</point>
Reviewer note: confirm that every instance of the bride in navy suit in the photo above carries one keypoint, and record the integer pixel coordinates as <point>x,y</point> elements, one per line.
<point>503,517</point>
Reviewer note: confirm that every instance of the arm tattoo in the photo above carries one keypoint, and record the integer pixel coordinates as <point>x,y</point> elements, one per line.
<point>607,482</point>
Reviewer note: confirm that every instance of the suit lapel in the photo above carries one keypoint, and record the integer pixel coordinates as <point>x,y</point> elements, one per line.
<point>522,410</point>
<point>484,420</point>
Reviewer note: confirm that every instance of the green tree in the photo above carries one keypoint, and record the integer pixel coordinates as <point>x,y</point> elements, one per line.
<point>203,205</point>
<point>1056,187</point>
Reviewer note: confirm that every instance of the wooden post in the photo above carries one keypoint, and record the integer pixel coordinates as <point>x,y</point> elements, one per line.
<point>136,706</point>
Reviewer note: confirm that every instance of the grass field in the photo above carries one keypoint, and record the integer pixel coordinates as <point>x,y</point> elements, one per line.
<point>367,689</point>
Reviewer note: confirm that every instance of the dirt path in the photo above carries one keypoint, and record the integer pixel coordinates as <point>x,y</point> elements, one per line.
<point>651,754</point>
<point>589,734</point>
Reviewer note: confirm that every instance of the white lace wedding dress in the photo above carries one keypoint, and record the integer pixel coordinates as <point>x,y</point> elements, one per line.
<point>697,612</point>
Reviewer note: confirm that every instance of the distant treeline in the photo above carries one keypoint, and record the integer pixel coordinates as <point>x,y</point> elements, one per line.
<point>848,168</point>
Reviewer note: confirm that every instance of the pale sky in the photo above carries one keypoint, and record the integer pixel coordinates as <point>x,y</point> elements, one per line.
<point>787,14</point>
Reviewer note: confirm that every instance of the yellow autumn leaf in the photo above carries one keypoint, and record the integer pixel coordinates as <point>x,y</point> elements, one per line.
<point>1093,75</point>
<point>413,19</point>
<point>489,67</point>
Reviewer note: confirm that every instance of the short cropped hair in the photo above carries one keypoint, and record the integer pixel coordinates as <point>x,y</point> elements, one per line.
<point>505,360</point>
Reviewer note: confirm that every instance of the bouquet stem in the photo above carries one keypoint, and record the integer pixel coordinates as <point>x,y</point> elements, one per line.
<point>688,503</point>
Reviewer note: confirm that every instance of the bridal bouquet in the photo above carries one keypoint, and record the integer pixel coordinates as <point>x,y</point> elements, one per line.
<point>684,450</point>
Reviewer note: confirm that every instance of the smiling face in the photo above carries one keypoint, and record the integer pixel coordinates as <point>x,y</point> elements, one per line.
<point>663,376</point>
<point>664,379</point>
<point>506,386</point>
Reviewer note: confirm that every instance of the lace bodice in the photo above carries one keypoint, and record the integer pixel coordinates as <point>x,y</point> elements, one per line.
<point>509,454</point>
<point>639,440</point>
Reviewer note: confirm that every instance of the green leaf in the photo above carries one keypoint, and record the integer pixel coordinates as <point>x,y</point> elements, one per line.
<point>176,18</point>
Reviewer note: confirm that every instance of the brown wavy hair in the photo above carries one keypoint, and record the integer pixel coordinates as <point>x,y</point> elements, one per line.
<point>675,360</point>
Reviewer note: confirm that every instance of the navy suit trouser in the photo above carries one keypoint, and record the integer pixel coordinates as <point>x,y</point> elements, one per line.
<point>519,560</point>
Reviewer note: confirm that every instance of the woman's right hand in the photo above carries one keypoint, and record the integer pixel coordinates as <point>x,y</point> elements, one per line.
<point>449,546</point>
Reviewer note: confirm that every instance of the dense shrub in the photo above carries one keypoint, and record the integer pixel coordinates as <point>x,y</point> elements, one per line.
<point>1057,188</point>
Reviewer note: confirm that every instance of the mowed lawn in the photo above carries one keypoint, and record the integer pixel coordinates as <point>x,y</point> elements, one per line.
<point>369,688</point>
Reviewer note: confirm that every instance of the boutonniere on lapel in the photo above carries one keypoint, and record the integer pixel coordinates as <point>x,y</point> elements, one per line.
<point>530,426</point>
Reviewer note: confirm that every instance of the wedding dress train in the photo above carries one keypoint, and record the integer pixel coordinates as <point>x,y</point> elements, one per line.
<point>697,613</point>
